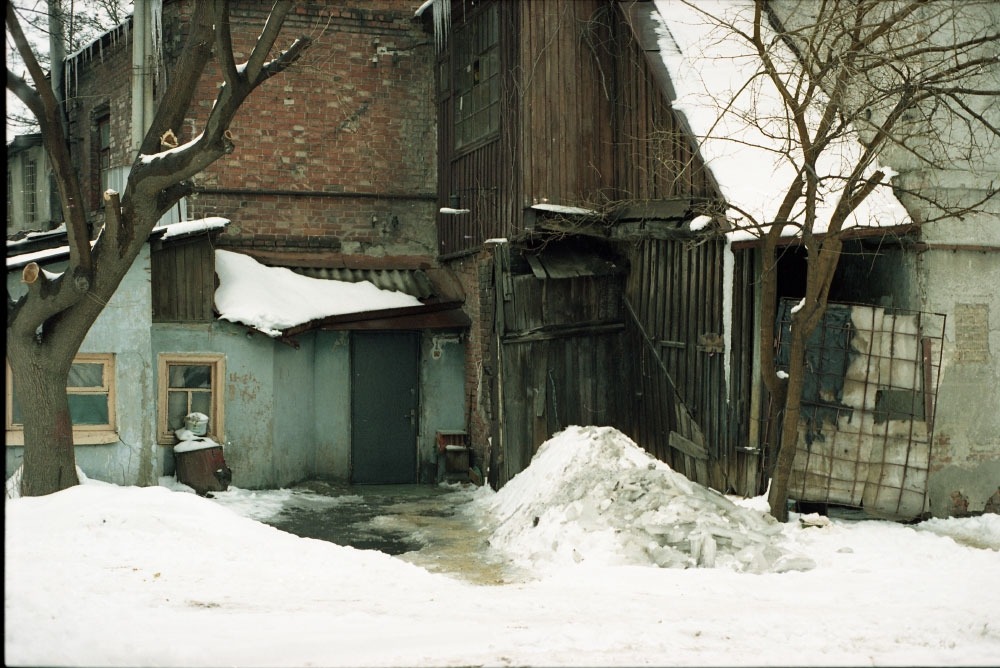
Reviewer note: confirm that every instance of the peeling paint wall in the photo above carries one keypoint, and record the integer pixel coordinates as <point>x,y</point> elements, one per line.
<point>332,395</point>
<point>442,393</point>
<point>122,329</point>
<point>288,410</point>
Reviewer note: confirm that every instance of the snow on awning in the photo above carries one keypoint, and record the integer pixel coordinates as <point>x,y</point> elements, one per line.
<point>190,227</point>
<point>280,302</point>
<point>739,125</point>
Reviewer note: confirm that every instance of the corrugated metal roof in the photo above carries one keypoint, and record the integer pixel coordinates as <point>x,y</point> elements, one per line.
<point>413,282</point>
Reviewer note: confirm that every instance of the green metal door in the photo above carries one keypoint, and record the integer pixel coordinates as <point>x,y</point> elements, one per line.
<point>384,374</point>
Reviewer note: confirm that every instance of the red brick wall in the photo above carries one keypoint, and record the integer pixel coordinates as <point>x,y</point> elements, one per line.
<point>336,152</point>
<point>331,128</point>
<point>99,83</point>
<point>475,273</point>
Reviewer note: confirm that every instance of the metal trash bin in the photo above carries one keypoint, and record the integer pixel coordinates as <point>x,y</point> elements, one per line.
<point>199,463</point>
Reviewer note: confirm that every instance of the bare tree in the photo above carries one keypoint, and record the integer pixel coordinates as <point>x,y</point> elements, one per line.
<point>859,84</point>
<point>46,326</point>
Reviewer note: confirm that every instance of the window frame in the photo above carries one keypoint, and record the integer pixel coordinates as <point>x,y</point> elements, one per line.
<point>29,191</point>
<point>103,152</point>
<point>216,424</point>
<point>476,49</point>
<point>83,434</point>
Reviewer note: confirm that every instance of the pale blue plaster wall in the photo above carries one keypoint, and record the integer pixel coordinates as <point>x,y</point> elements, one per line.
<point>294,451</point>
<point>332,385</point>
<point>248,429</point>
<point>122,329</point>
<point>442,395</point>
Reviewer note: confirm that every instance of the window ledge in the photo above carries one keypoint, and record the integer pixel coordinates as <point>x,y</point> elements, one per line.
<point>16,437</point>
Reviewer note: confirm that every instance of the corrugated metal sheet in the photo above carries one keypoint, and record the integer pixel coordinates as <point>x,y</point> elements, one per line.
<point>413,282</point>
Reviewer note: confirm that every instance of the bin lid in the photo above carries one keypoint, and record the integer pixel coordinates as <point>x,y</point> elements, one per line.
<point>193,444</point>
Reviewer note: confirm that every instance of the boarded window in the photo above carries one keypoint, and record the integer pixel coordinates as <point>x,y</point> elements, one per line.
<point>183,282</point>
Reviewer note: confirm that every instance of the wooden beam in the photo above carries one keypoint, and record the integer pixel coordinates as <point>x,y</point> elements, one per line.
<point>687,446</point>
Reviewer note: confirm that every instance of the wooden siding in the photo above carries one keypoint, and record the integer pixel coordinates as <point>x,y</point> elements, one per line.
<point>183,282</point>
<point>480,176</point>
<point>564,98</point>
<point>560,358</point>
<point>675,292</point>
<point>655,157</point>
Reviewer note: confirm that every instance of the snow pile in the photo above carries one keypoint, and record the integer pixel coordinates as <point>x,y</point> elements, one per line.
<point>591,494</point>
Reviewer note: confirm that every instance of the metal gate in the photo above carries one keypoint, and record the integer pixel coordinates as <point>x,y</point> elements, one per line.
<point>868,404</point>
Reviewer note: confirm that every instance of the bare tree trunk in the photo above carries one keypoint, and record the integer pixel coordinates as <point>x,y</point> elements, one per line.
<point>48,430</point>
<point>778,495</point>
<point>46,327</point>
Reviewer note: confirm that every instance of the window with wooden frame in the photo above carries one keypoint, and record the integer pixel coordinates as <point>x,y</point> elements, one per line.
<point>90,389</point>
<point>104,150</point>
<point>30,190</point>
<point>476,56</point>
<point>189,383</point>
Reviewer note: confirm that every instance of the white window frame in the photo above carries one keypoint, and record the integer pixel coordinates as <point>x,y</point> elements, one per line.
<point>85,434</point>
<point>217,361</point>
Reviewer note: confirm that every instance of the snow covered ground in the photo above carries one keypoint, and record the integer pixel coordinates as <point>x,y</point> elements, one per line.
<point>102,575</point>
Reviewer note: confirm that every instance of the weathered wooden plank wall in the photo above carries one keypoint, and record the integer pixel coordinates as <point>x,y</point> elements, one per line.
<point>675,291</point>
<point>565,101</point>
<point>183,282</point>
<point>561,355</point>
<point>479,177</point>
<point>654,157</point>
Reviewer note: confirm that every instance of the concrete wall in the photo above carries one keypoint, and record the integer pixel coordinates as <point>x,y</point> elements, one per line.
<point>122,329</point>
<point>442,396</point>
<point>961,284</point>
<point>288,410</point>
<point>333,404</point>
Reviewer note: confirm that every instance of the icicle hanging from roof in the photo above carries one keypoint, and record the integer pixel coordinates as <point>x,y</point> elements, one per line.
<point>156,11</point>
<point>442,23</point>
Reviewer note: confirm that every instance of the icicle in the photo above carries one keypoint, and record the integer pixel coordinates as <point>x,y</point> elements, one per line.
<point>156,10</point>
<point>442,23</point>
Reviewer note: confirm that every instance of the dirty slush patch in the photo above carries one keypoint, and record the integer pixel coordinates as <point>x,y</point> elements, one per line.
<point>422,524</point>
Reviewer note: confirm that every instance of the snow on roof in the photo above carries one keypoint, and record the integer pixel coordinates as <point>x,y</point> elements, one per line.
<point>17,261</point>
<point>187,227</point>
<point>560,208</point>
<point>271,299</point>
<point>739,119</point>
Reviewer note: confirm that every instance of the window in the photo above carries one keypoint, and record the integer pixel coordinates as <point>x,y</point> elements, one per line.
<point>91,393</point>
<point>477,78</point>
<point>189,383</point>
<point>104,150</point>
<point>30,190</point>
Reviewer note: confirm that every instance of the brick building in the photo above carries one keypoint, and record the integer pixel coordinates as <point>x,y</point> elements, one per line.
<point>333,176</point>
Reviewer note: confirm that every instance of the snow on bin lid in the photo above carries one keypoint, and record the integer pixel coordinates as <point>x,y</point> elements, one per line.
<point>191,445</point>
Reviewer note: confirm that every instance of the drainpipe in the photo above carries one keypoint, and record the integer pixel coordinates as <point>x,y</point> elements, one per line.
<point>57,55</point>
<point>142,83</point>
